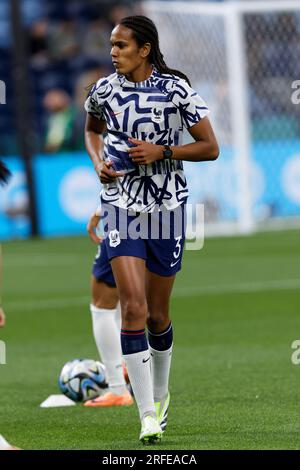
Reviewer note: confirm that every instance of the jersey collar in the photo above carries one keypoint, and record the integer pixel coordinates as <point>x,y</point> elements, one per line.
<point>145,84</point>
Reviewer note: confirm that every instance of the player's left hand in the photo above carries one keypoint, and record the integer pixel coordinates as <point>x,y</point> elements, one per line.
<point>2,317</point>
<point>91,228</point>
<point>144,152</point>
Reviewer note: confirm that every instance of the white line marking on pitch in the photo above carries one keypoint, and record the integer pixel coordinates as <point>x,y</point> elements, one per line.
<point>24,261</point>
<point>243,287</point>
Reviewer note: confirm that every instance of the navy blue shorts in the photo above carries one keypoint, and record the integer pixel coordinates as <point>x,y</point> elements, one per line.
<point>156,237</point>
<point>101,268</point>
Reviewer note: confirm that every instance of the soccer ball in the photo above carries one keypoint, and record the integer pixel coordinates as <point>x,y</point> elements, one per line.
<point>82,379</point>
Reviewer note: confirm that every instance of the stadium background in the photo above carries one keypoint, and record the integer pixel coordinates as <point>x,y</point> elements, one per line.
<point>236,303</point>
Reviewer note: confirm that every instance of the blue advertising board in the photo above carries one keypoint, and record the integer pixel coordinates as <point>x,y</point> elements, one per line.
<point>67,189</point>
<point>14,221</point>
<point>274,179</point>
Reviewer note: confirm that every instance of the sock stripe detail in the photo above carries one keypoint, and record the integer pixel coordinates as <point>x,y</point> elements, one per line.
<point>133,341</point>
<point>163,332</point>
<point>132,333</point>
<point>161,341</point>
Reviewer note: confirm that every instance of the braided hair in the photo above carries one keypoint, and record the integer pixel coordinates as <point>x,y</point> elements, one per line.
<point>144,30</point>
<point>4,173</point>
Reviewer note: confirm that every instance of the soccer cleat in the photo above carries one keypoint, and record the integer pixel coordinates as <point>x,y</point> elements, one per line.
<point>151,432</point>
<point>162,408</point>
<point>111,399</point>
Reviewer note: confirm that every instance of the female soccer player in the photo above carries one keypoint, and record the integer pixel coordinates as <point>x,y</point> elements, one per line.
<point>143,107</point>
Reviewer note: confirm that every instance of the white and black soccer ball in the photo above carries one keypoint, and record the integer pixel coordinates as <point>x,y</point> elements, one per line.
<point>83,379</point>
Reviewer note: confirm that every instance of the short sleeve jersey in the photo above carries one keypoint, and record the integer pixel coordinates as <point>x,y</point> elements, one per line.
<point>156,110</point>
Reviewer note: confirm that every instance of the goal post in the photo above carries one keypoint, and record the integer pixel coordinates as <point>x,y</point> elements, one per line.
<point>232,53</point>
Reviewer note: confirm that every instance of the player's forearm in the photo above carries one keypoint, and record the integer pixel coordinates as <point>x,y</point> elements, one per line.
<point>94,146</point>
<point>200,151</point>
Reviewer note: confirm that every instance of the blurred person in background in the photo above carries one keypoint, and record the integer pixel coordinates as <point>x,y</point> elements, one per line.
<point>117,12</point>
<point>95,39</point>
<point>2,314</point>
<point>63,40</point>
<point>59,134</point>
<point>38,43</point>
<point>4,173</point>
<point>4,176</point>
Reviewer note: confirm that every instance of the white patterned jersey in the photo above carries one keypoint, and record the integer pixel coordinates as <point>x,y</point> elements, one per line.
<point>155,111</point>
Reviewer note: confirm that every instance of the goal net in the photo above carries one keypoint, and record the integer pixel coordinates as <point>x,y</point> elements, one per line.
<point>243,59</point>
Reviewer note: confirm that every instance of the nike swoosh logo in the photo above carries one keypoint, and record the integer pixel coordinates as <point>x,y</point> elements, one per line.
<point>173,264</point>
<point>146,360</point>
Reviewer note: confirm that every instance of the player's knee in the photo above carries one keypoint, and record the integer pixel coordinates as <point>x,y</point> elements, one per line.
<point>99,303</point>
<point>134,310</point>
<point>158,321</point>
<point>104,296</point>
<point>105,303</point>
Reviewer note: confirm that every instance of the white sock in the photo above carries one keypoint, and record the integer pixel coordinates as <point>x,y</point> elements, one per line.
<point>160,369</point>
<point>107,337</point>
<point>4,445</point>
<point>118,316</point>
<point>140,379</point>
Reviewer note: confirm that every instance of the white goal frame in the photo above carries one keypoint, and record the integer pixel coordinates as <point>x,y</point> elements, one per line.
<point>232,13</point>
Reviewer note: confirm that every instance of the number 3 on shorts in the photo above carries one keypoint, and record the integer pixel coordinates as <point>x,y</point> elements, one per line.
<point>176,254</point>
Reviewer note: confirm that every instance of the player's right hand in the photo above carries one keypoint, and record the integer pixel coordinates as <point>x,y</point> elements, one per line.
<point>106,173</point>
<point>91,228</point>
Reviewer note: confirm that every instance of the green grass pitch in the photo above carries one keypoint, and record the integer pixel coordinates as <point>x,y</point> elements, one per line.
<point>235,310</point>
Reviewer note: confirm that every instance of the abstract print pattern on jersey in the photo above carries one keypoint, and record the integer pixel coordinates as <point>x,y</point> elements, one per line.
<point>156,111</point>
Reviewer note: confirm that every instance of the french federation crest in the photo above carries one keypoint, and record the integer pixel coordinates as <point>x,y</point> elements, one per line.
<point>114,238</point>
<point>157,114</point>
